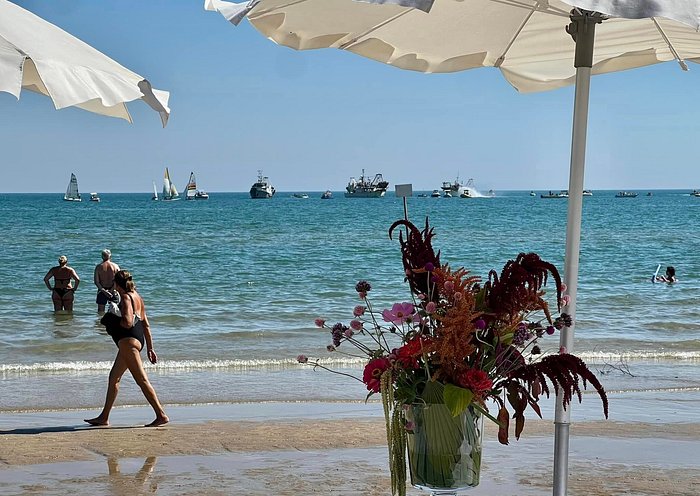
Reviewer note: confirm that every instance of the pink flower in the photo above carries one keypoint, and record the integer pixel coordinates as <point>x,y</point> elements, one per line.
<point>373,373</point>
<point>358,311</point>
<point>430,307</point>
<point>563,287</point>
<point>302,359</point>
<point>399,313</point>
<point>565,300</point>
<point>320,322</point>
<point>449,285</point>
<point>422,296</point>
<point>362,294</point>
<point>355,324</point>
<point>562,350</point>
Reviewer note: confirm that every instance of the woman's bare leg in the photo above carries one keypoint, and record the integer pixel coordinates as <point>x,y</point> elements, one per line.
<point>57,301</point>
<point>68,301</point>
<point>115,376</point>
<point>129,349</point>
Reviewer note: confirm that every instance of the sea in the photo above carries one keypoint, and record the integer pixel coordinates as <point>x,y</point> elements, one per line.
<point>232,287</point>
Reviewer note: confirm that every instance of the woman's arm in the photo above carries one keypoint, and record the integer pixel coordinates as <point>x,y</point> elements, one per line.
<point>48,277</point>
<point>74,274</point>
<point>152,357</point>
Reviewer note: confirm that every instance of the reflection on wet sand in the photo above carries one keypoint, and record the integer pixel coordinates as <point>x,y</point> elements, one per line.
<point>128,484</point>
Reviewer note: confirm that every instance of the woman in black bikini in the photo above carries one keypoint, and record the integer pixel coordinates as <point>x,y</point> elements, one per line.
<point>130,333</point>
<point>62,289</point>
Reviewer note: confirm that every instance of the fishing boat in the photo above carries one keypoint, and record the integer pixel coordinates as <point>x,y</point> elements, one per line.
<point>169,190</point>
<point>72,193</point>
<point>262,187</point>
<point>365,188</point>
<point>453,188</point>
<point>191,191</point>
<point>94,197</point>
<point>626,194</point>
<point>562,194</point>
<point>155,192</point>
<point>327,195</point>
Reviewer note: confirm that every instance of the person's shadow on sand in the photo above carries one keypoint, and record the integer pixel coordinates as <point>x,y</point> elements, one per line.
<point>132,484</point>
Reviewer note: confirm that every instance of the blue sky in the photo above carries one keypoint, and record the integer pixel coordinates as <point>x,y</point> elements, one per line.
<point>310,120</point>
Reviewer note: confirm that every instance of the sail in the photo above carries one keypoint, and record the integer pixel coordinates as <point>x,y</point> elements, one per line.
<point>72,193</point>
<point>191,188</point>
<point>155,191</point>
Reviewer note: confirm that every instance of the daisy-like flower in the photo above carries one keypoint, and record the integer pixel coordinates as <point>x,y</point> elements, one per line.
<point>399,313</point>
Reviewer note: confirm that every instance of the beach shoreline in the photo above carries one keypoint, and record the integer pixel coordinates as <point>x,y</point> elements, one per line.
<point>311,450</point>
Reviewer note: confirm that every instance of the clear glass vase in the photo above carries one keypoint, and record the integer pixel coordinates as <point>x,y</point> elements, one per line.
<point>444,452</point>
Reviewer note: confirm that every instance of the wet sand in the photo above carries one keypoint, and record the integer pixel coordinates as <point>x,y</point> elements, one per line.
<point>299,453</point>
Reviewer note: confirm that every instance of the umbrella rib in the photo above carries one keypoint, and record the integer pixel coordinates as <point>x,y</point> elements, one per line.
<point>344,46</point>
<point>678,58</point>
<point>532,8</point>
<point>548,9</point>
<point>272,9</point>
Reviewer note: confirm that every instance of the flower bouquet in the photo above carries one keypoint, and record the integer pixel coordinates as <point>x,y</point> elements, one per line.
<point>461,341</point>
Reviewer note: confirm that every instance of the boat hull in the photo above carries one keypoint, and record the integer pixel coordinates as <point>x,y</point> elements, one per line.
<point>365,194</point>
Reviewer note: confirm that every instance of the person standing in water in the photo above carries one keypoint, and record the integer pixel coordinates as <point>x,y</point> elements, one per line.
<point>62,289</point>
<point>104,279</point>
<point>669,277</point>
<point>130,332</point>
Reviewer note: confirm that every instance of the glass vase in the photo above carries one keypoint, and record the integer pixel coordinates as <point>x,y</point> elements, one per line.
<point>444,452</point>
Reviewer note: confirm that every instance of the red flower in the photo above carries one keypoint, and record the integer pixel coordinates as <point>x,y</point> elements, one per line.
<point>475,379</point>
<point>408,353</point>
<point>373,373</point>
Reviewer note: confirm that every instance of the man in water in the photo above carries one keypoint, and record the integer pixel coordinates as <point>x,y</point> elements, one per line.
<point>104,279</point>
<point>670,276</point>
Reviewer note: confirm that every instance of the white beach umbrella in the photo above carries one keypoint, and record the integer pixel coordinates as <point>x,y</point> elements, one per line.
<point>530,41</point>
<point>40,57</point>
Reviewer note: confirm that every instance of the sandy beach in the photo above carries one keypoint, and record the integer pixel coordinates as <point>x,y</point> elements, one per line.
<point>303,451</point>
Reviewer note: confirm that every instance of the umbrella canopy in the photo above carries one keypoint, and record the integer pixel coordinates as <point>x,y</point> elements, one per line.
<point>530,41</point>
<point>41,57</point>
<point>525,39</point>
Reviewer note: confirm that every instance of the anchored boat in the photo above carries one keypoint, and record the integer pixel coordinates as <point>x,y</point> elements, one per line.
<point>365,188</point>
<point>262,187</point>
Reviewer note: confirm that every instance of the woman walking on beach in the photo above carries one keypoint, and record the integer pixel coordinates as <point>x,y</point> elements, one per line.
<point>130,332</point>
<point>62,289</point>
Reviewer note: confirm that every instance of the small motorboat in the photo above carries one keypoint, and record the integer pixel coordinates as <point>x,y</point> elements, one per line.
<point>435,194</point>
<point>300,195</point>
<point>626,194</point>
<point>327,195</point>
<point>94,197</point>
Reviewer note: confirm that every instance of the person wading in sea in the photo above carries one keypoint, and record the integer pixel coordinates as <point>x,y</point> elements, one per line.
<point>62,289</point>
<point>104,279</point>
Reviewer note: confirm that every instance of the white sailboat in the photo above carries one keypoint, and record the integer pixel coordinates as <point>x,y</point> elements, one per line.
<point>155,192</point>
<point>72,193</point>
<point>191,191</point>
<point>169,190</point>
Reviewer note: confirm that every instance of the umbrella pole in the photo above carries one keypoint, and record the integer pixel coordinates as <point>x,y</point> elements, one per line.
<point>582,29</point>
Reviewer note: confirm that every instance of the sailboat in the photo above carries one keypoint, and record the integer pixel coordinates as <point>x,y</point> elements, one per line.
<point>155,192</point>
<point>72,193</point>
<point>191,191</point>
<point>169,190</point>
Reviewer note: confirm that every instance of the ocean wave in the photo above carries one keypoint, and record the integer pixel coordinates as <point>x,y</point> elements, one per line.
<point>165,365</point>
<point>638,355</point>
